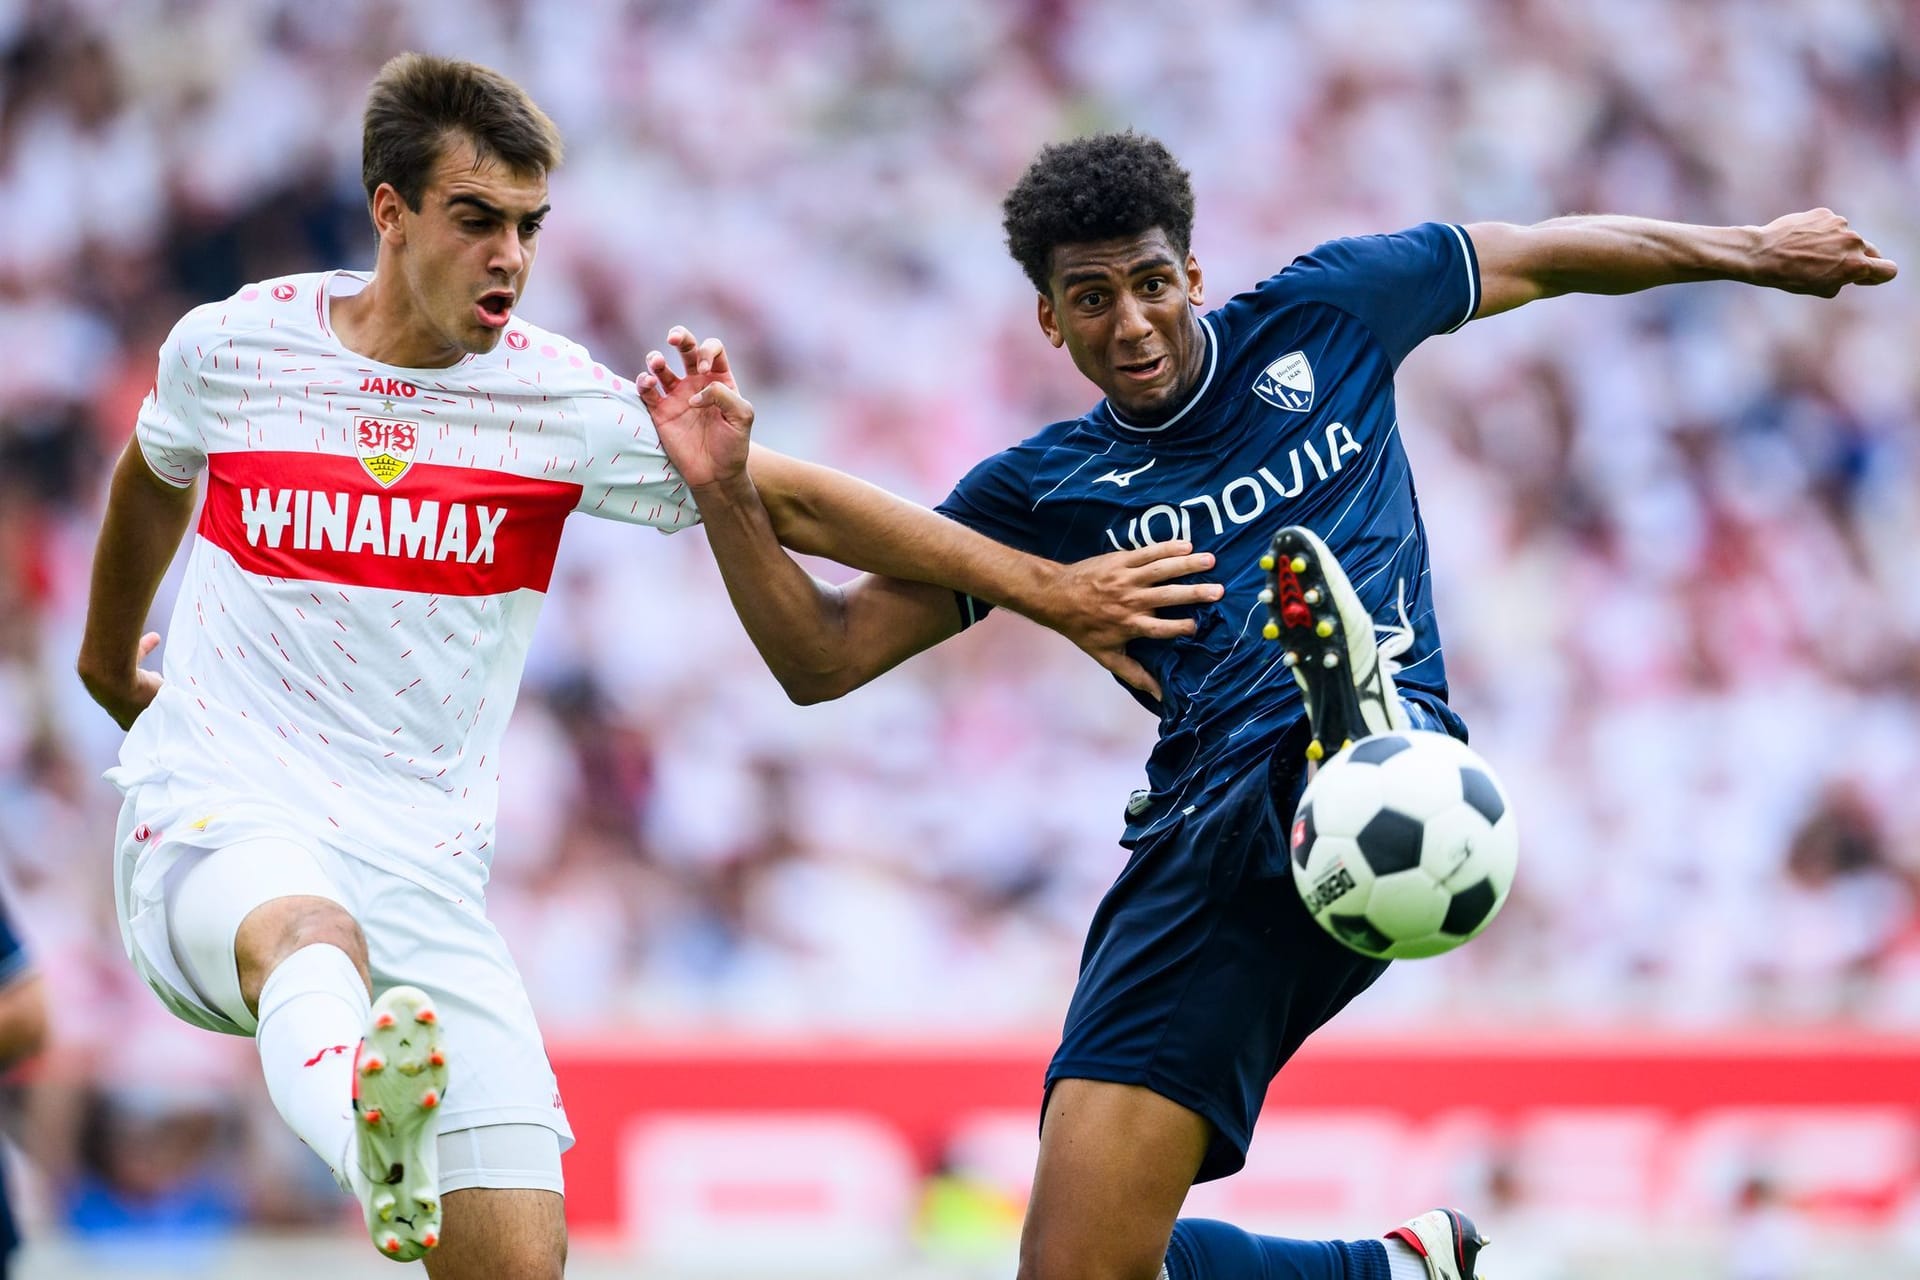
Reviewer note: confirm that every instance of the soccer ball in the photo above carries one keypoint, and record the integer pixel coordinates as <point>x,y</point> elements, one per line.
<point>1404,845</point>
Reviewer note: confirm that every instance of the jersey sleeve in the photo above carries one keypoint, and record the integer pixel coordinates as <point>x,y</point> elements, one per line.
<point>992,499</point>
<point>1405,286</point>
<point>171,427</point>
<point>625,475</point>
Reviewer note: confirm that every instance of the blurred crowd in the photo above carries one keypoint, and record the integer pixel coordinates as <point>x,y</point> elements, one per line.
<point>1673,534</point>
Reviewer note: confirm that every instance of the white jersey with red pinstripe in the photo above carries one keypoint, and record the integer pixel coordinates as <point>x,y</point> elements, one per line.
<point>371,554</point>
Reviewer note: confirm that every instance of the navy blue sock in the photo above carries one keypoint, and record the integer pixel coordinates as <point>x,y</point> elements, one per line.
<point>1205,1250</point>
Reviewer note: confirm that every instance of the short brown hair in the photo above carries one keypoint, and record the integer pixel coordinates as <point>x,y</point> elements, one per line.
<point>418,100</point>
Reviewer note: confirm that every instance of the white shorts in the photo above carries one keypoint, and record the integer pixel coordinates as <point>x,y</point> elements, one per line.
<point>414,936</point>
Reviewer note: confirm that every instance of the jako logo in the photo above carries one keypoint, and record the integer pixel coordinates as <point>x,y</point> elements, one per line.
<point>393,527</point>
<point>390,387</point>
<point>1244,498</point>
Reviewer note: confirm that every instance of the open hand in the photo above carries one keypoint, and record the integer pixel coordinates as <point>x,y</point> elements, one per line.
<point>703,423</point>
<point>1817,252</point>
<point>129,693</point>
<point>1103,602</point>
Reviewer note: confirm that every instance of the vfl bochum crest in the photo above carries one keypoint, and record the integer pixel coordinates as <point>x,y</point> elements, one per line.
<point>1287,383</point>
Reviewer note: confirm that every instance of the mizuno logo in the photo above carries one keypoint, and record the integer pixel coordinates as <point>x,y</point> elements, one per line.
<point>1123,478</point>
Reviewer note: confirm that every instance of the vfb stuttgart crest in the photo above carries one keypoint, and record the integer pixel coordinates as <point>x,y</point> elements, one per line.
<point>386,447</point>
<point>1287,383</point>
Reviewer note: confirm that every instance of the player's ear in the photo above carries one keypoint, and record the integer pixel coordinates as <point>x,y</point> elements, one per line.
<point>1196,287</point>
<point>1050,322</point>
<point>387,205</point>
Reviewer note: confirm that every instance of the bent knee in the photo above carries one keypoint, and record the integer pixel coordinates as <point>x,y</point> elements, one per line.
<point>275,930</point>
<point>328,924</point>
<point>285,925</point>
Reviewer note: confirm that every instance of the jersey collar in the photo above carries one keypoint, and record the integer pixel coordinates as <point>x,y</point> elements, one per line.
<point>342,283</point>
<point>1199,392</point>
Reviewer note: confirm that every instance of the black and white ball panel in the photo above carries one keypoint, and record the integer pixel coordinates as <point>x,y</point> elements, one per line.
<point>1404,845</point>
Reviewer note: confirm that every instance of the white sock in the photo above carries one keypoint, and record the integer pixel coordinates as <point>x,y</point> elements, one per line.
<point>313,1012</point>
<point>1403,1263</point>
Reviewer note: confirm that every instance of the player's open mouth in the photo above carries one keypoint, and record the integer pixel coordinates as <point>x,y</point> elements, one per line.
<point>1145,371</point>
<point>494,309</point>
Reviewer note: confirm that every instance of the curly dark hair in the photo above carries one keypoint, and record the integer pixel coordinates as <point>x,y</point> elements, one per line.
<point>1096,188</point>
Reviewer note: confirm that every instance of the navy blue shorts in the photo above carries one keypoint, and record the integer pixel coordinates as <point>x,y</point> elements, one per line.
<point>1203,972</point>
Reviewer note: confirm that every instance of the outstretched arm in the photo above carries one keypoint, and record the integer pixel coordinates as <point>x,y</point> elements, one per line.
<point>1098,603</point>
<point>822,641</point>
<point>1814,252</point>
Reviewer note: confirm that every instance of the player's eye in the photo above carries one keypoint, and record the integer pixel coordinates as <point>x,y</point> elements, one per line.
<point>474,224</point>
<point>530,229</point>
<point>1153,285</point>
<point>1092,299</point>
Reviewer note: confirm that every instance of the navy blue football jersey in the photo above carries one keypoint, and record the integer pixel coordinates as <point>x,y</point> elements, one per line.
<point>1293,422</point>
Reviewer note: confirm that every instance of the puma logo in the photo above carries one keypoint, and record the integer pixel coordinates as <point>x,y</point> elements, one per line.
<point>314,1061</point>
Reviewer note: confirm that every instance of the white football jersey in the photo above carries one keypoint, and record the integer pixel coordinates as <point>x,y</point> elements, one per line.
<point>371,554</point>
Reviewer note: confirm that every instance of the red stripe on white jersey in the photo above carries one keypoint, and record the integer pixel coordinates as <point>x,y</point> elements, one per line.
<point>461,531</point>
